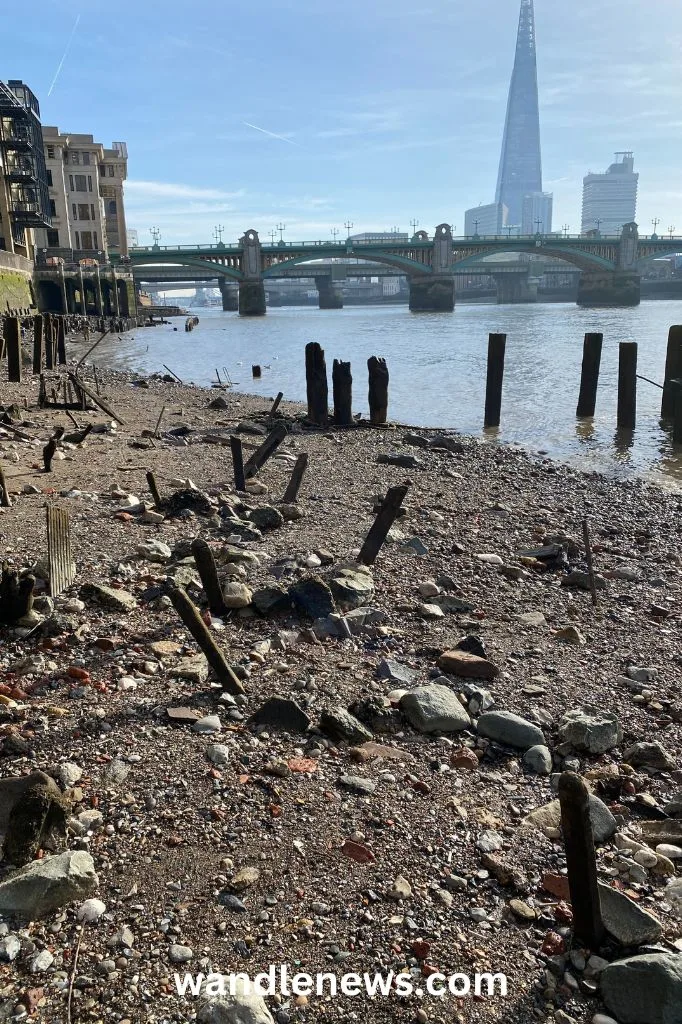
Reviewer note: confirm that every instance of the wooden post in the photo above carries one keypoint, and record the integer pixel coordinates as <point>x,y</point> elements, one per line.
<point>49,341</point>
<point>5,499</point>
<point>627,385</point>
<point>589,377</point>
<point>275,404</point>
<point>61,570</point>
<point>673,371</point>
<point>382,524</point>
<point>294,485</point>
<point>192,619</point>
<point>37,343</point>
<point>342,388</point>
<point>256,371</point>
<point>268,448</point>
<point>676,390</point>
<point>13,339</point>
<point>238,462</point>
<point>590,564</point>
<point>580,859</point>
<point>317,389</point>
<point>497,344</point>
<point>203,556</point>
<point>61,340</point>
<point>378,390</point>
<point>153,490</point>
<point>158,422</point>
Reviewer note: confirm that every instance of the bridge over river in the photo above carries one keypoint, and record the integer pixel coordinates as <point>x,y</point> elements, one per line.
<point>609,267</point>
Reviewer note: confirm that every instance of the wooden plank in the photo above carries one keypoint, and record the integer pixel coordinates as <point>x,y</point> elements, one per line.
<point>238,462</point>
<point>38,333</point>
<point>266,450</point>
<point>382,524</point>
<point>495,375</point>
<point>96,399</point>
<point>580,860</point>
<point>203,556</point>
<point>627,385</point>
<point>192,619</point>
<point>294,485</point>
<point>589,376</point>
<point>61,568</point>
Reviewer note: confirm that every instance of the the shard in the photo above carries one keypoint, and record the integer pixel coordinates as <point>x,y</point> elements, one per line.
<point>520,173</point>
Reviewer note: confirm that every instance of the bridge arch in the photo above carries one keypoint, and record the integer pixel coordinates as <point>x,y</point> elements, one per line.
<point>182,260</point>
<point>404,263</point>
<point>540,247</point>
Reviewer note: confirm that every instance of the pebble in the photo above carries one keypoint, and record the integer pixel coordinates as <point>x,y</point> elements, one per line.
<point>90,911</point>
<point>180,954</point>
<point>209,724</point>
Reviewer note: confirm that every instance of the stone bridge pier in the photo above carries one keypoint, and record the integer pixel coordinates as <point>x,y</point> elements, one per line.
<point>619,287</point>
<point>513,289</point>
<point>252,287</point>
<point>328,293</point>
<point>230,295</point>
<point>435,292</point>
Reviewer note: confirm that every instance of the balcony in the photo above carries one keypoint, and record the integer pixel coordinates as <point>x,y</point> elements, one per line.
<point>16,136</point>
<point>28,214</point>
<point>19,170</point>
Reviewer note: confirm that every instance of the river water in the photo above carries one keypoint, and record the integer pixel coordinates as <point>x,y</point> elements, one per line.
<point>437,365</point>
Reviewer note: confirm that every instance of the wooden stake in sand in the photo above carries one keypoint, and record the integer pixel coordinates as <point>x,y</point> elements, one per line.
<point>192,619</point>
<point>153,489</point>
<point>590,563</point>
<point>382,524</point>
<point>266,450</point>
<point>238,462</point>
<point>203,556</point>
<point>317,389</point>
<point>294,485</point>
<point>580,859</point>
<point>61,568</point>
<point>378,390</point>
<point>5,499</point>
<point>342,389</point>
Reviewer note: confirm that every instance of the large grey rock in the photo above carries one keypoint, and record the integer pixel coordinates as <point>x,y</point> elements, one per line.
<point>281,713</point>
<point>313,597</point>
<point>45,885</point>
<point>266,517</point>
<point>548,819</point>
<point>626,921</point>
<point>434,708</point>
<point>511,730</point>
<point>396,672</point>
<point>352,588</point>
<point>590,729</point>
<point>538,759</point>
<point>119,600</point>
<point>644,989</point>
<point>649,755</point>
<point>243,1007</point>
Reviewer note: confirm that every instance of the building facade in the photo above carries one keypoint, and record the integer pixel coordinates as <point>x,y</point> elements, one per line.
<point>536,213</point>
<point>610,199</point>
<point>24,200</point>
<point>85,183</point>
<point>485,220</point>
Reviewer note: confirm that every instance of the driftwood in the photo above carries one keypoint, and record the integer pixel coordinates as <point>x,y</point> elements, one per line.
<point>96,399</point>
<point>153,489</point>
<point>192,619</point>
<point>61,568</point>
<point>16,595</point>
<point>32,808</point>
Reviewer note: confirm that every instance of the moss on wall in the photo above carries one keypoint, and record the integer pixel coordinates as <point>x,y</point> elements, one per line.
<point>16,291</point>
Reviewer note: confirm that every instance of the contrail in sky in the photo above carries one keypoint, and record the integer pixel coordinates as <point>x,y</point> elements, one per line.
<point>65,55</point>
<point>265,132</point>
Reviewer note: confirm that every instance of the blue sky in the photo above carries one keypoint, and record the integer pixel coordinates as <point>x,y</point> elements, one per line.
<point>388,110</point>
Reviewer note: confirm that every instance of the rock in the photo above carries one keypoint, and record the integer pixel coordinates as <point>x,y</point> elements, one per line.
<point>395,672</point>
<point>396,459</point>
<point>236,595</point>
<point>522,910</point>
<point>154,550</point>
<point>570,635</point>
<point>245,878</point>
<point>641,675</point>
<point>45,885</point>
<point>119,600</point>
<point>218,753</point>
<point>351,588</point>
<point>41,961</point>
<point>414,546</point>
<point>649,755</point>
<point>489,559</point>
<point>581,580</point>
<point>644,989</point>
<point>472,644</point>
<point>244,1007</point>
<point>548,819</point>
<point>266,517</point>
<point>467,665</point>
<point>669,851</point>
<point>179,954</point>
<point>591,730</point>
<point>91,911</point>
<point>510,730</point>
<point>625,920</point>
<point>208,724</point>
<point>194,668</point>
<point>464,759</point>
<point>342,725</point>
<point>532,619</point>
<point>69,773</point>
<point>313,597</point>
<point>32,808</point>
<point>430,611</point>
<point>434,708</point>
<point>356,784</point>
<point>370,751</point>
<point>10,947</point>
<point>674,807</point>
<point>271,600</point>
<point>428,589</point>
<point>401,890</point>
<point>489,841</point>
<point>538,759</point>
<point>673,894</point>
<point>281,713</point>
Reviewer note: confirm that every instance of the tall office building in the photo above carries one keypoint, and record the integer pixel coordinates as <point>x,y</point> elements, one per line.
<point>519,198</point>
<point>485,220</point>
<point>610,199</point>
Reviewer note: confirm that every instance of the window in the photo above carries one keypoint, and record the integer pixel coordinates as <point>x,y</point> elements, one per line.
<point>50,152</point>
<point>74,211</point>
<point>80,183</point>
<point>102,170</point>
<point>83,211</point>
<point>53,239</point>
<point>78,240</point>
<point>75,156</point>
<point>89,183</point>
<point>92,210</point>
<point>86,158</point>
<point>111,170</point>
<point>94,239</point>
<point>86,239</point>
<point>71,184</point>
<point>111,208</point>
<point>49,178</point>
<point>53,208</point>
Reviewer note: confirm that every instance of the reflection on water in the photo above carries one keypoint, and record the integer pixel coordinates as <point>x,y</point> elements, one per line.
<point>437,364</point>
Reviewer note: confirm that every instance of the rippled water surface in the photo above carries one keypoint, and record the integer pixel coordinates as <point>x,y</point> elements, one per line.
<point>437,368</point>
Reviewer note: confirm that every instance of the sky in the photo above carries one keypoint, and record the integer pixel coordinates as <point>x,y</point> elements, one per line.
<point>381,112</point>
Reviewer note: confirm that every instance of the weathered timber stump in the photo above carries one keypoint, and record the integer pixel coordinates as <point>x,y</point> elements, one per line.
<point>378,390</point>
<point>317,388</point>
<point>342,387</point>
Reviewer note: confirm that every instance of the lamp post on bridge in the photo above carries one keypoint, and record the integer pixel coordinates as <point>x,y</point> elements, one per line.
<point>656,221</point>
<point>349,227</point>
<point>538,226</point>
<point>281,228</point>
<point>335,232</point>
<point>218,234</point>
<point>414,224</point>
<point>566,228</point>
<point>156,235</point>
<point>671,230</point>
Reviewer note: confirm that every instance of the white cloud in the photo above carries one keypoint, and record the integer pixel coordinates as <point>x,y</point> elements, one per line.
<point>171,190</point>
